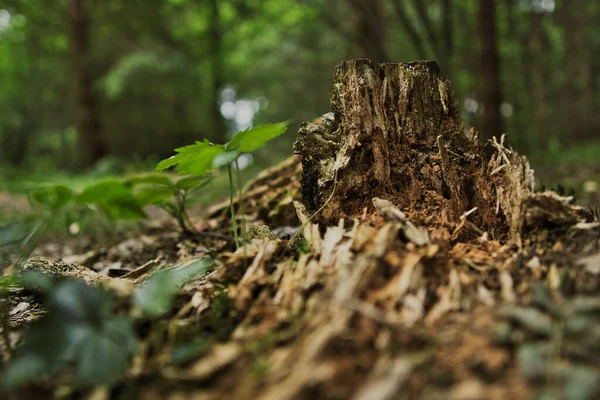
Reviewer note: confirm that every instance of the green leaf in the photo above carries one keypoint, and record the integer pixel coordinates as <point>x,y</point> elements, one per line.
<point>155,179</point>
<point>191,270</point>
<point>52,197</point>
<point>183,154</point>
<point>193,182</point>
<point>76,301</point>
<point>36,281</point>
<point>114,198</point>
<point>12,233</point>
<point>251,139</point>
<point>104,356</point>
<point>202,162</point>
<point>24,369</point>
<point>155,296</point>
<point>225,158</point>
<point>154,195</point>
<point>104,191</point>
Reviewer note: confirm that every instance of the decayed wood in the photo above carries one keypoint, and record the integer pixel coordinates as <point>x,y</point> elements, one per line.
<point>395,133</point>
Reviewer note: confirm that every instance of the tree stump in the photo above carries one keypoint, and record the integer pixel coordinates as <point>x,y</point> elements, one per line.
<point>396,133</point>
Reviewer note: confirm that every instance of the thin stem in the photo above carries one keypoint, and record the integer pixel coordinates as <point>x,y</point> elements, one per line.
<point>233,220</point>
<point>241,196</point>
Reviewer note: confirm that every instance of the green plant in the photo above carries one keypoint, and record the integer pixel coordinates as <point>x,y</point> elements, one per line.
<point>200,158</point>
<point>155,296</point>
<point>111,197</point>
<point>77,330</point>
<point>169,194</point>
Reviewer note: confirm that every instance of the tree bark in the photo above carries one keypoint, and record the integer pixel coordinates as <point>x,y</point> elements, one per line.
<point>577,100</point>
<point>490,89</point>
<point>87,119</point>
<point>395,133</point>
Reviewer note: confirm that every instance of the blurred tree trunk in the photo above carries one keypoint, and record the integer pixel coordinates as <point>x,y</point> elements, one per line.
<point>216,43</point>
<point>414,36</point>
<point>370,29</point>
<point>577,98</point>
<point>87,119</point>
<point>489,85</point>
<point>447,38</point>
<point>537,90</point>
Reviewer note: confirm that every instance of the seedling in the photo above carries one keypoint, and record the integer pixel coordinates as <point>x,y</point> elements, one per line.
<point>200,158</point>
<point>168,194</point>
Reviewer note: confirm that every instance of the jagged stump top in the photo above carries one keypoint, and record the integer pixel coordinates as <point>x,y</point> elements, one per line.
<point>395,133</point>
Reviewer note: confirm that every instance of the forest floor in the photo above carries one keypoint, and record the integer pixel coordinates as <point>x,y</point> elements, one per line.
<point>371,308</point>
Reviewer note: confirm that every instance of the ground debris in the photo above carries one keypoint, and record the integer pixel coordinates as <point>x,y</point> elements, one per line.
<point>435,274</point>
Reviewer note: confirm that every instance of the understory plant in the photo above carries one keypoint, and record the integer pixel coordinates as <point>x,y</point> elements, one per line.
<point>168,194</point>
<point>200,158</point>
<point>82,332</point>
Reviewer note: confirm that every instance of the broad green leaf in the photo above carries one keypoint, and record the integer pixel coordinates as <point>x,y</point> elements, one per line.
<point>201,163</point>
<point>104,191</point>
<point>114,198</point>
<point>225,158</point>
<point>192,182</point>
<point>36,281</point>
<point>251,139</point>
<point>76,301</point>
<point>12,233</point>
<point>23,369</point>
<point>104,356</point>
<point>154,195</point>
<point>156,179</point>
<point>52,197</point>
<point>155,296</point>
<point>184,154</point>
<point>123,209</point>
<point>190,270</point>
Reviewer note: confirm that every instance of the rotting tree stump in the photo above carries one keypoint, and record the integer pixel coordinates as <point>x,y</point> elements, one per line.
<point>395,132</point>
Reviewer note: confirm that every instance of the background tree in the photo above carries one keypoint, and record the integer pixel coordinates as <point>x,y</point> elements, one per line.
<point>134,79</point>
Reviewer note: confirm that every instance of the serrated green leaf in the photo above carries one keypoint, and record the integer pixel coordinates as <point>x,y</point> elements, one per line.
<point>251,139</point>
<point>52,197</point>
<point>186,153</point>
<point>193,182</point>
